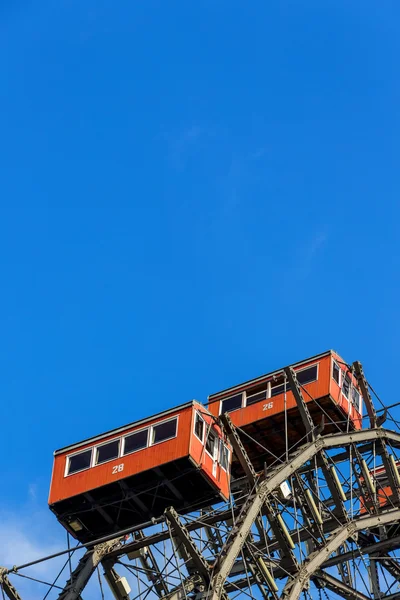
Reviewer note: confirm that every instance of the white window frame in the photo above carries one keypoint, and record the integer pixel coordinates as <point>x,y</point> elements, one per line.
<point>151,442</point>
<point>133,433</point>
<point>217,438</point>
<point>278,385</point>
<point>197,414</point>
<point>121,440</point>
<point>358,408</point>
<point>228,455</point>
<point>267,395</point>
<point>339,383</point>
<point>243,394</point>
<point>350,386</point>
<point>309,367</point>
<point>67,462</point>
<point>104,462</point>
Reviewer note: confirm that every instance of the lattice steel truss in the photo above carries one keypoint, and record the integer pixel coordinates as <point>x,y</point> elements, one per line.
<point>313,523</point>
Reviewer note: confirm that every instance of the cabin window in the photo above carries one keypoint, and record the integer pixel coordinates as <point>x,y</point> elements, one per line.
<point>232,403</point>
<point>107,452</point>
<point>307,375</point>
<point>336,373</point>
<point>279,389</point>
<point>136,441</point>
<point>346,386</point>
<point>253,398</point>
<point>164,431</point>
<point>199,427</point>
<point>355,398</point>
<point>223,455</point>
<point>79,462</point>
<point>211,442</point>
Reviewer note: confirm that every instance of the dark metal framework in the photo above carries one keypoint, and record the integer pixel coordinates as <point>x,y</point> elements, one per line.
<point>312,524</point>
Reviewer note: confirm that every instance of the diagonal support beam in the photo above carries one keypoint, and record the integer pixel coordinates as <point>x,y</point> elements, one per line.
<point>86,567</point>
<point>301,404</point>
<point>115,582</point>
<point>338,587</point>
<point>334,486</point>
<point>362,382</point>
<point>344,567</point>
<point>172,488</point>
<point>153,573</point>
<point>281,534</point>
<point>180,531</point>
<point>99,509</point>
<point>7,586</point>
<point>374,578</point>
<point>391,565</point>
<point>392,476</point>
<point>193,583</point>
<point>238,448</point>
<point>250,511</point>
<point>308,508</point>
<point>294,587</point>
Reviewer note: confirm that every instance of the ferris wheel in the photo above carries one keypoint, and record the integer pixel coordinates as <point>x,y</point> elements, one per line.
<point>278,489</point>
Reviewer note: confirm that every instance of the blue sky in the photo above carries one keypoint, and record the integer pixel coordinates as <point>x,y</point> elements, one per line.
<point>192,194</point>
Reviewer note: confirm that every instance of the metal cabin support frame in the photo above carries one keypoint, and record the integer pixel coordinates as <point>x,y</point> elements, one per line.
<point>362,382</point>
<point>338,587</point>
<point>86,567</point>
<point>301,404</point>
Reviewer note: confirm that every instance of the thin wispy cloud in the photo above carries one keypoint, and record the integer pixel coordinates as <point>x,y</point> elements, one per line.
<point>307,255</point>
<point>180,145</point>
<point>22,540</point>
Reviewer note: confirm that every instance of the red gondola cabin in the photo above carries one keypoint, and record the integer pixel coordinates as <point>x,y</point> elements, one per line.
<point>127,476</point>
<point>261,407</point>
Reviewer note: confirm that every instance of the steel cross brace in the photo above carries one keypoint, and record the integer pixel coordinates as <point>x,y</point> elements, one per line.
<point>294,587</point>
<point>391,565</point>
<point>239,449</point>
<point>7,586</point>
<point>268,508</point>
<point>152,570</point>
<point>86,567</point>
<point>362,382</point>
<point>191,584</point>
<point>252,507</point>
<point>339,510</point>
<point>338,587</point>
<point>214,537</point>
<point>374,578</point>
<point>371,500</point>
<point>112,578</point>
<point>199,563</point>
<point>344,567</point>
<point>306,507</point>
<point>301,404</point>
<point>392,478</point>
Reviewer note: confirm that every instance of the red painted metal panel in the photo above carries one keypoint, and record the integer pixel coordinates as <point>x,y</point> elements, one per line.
<point>340,399</point>
<point>67,486</point>
<point>313,391</point>
<point>185,444</point>
<point>211,468</point>
<point>272,406</point>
